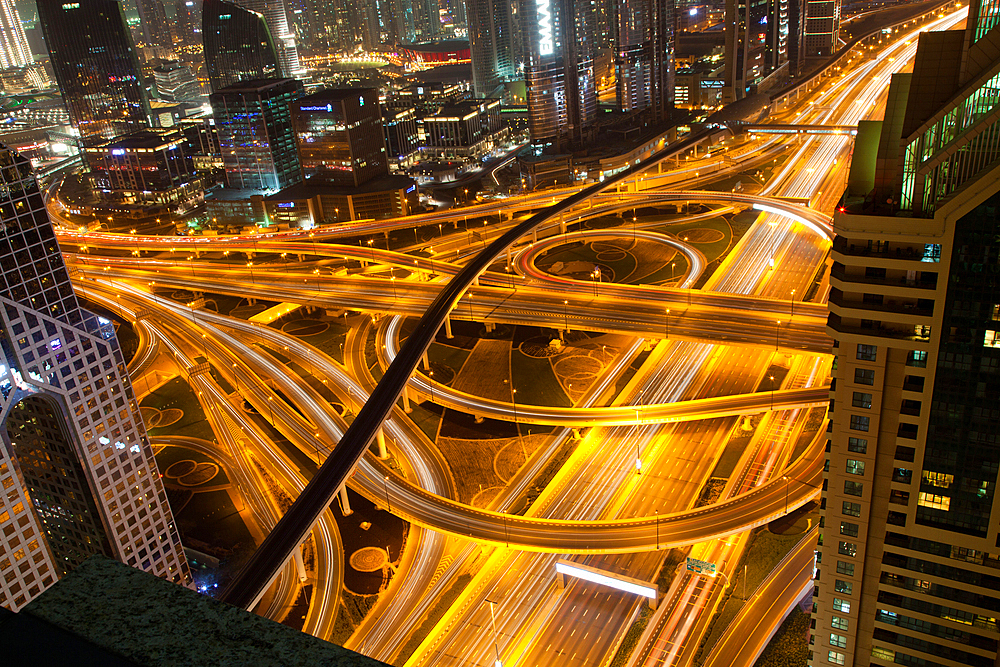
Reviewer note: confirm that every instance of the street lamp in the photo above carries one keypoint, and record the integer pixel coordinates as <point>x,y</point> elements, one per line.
<point>385,482</point>
<point>791,309</point>
<point>666,324</point>
<point>372,248</point>
<point>638,459</point>
<point>392,281</point>
<point>566,314</point>
<point>777,331</point>
<point>772,392</point>
<point>496,644</point>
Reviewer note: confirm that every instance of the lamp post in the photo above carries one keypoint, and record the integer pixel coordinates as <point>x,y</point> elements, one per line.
<point>392,281</point>
<point>371,247</point>
<point>791,308</point>
<point>496,643</point>
<point>656,514</point>
<point>385,483</point>
<point>666,324</point>
<point>566,314</point>
<point>772,392</point>
<point>638,459</point>
<point>777,331</point>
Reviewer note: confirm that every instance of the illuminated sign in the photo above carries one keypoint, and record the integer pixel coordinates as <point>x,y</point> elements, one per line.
<point>361,101</point>
<point>607,579</point>
<point>118,151</point>
<point>287,204</point>
<point>328,108</point>
<point>701,566</point>
<point>71,5</point>
<point>411,189</point>
<point>545,43</point>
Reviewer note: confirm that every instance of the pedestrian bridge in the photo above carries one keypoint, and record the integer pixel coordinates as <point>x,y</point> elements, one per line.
<point>800,129</point>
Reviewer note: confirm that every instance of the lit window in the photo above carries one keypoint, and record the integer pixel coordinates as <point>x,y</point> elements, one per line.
<point>883,654</point>
<point>855,467</point>
<point>840,641</point>
<point>839,623</point>
<point>938,479</point>
<point>991,339</point>
<point>849,529</point>
<point>845,587</point>
<point>847,549</point>
<point>934,501</point>
<point>851,509</point>
<point>836,658</point>
<point>843,606</point>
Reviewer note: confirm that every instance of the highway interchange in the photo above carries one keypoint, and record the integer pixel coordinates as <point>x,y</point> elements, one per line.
<point>712,349</point>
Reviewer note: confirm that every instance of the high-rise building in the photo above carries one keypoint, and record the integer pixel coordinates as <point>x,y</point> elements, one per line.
<point>757,43</point>
<point>644,56</point>
<point>822,22</point>
<point>491,42</point>
<point>273,12</point>
<point>254,122</point>
<point>562,93</point>
<point>95,65</point>
<point>175,83</point>
<point>76,466</point>
<point>909,562</point>
<point>339,134</point>
<point>155,29</point>
<point>238,45</point>
<point>14,50</point>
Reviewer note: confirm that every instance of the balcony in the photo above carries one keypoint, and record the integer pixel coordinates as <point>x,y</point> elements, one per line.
<point>880,330</point>
<point>919,309</point>
<point>930,252</point>
<point>927,281</point>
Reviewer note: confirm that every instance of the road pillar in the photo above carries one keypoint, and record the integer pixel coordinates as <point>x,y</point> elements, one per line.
<point>406,399</point>
<point>447,327</point>
<point>426,362</point>
<point>345,504</point>
<point>534,235</point>
<point>383,453</point>
<point>508,255</point>
<point>300,567</point>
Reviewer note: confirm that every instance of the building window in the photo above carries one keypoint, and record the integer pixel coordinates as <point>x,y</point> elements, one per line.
<point>844,587</point>
<point>854,488</point>
<point>934,501</point>
<point>917,359</point>
<point>867,352</point>
<point>857,445</point>
<point>839,623</point>
<point>847,549</point>
<point>836,658</point>
<point>840,641</point>
<point>843,606</point>
<point>848,528</point>
<point>861,400</point>
<point>845,568</point>
<point>883,654</point>
<point>899,497</point>
<point>860,423</point>
<point>864,376</point>
<point>851,509</point>
<point>938,479</point>
<point>855,467</point>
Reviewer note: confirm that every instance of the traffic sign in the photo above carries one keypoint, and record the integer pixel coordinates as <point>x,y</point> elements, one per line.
<point>701,566</point>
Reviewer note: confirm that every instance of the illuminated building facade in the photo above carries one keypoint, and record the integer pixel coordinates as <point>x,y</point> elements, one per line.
<point>254,122</point>
<point>14,49</point>
<point>76,466</point>
<point>95,66</point>
<point>238,45</point>
<point>339,135</point>
<point>559,72</point>
<point>644,56</point>
<point>909,559</point>
<point>822,22</point>
<point>757,43</point>
<point>146,167</point>
<point>491,41</point>
<point>188,17</point>
<point>273,12</point>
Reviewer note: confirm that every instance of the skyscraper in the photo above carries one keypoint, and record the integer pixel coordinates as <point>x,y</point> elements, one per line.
<point>562,94</point>
<point>188,17</point>
<point>238,45</point>
<point>644,56</point>
<point>155,29</point>
<point>757,36</point>
<point>491,42</point>
<point>909,562</point>
<point>254,121</point>
<point>339,134</point>
<point>822,22</point>
<point>95,66</point>
<point>76,466</point>
<point>14,50</point>
<point>273,12</point>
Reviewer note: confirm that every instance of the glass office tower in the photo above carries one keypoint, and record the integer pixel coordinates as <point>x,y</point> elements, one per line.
<point>95,65</point>
<point>238,45</point>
